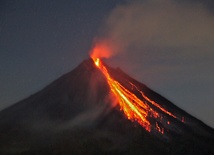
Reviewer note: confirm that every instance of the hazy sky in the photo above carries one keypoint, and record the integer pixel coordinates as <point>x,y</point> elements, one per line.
<point>166,44</point>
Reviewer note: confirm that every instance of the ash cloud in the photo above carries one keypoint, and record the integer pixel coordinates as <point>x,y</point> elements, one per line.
<point>169,46</point>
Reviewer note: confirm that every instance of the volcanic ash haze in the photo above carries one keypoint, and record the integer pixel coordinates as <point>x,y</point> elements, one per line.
<point>80,113</point>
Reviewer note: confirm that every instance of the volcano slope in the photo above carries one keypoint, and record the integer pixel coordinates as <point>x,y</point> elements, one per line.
<point>76,114</point>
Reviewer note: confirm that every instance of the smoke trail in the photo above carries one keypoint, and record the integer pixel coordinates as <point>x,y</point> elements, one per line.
<point>166,44</point>
<point>158,24</point>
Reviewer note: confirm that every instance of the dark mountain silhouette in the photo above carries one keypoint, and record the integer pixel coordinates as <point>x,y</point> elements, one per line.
<point>75,115</point>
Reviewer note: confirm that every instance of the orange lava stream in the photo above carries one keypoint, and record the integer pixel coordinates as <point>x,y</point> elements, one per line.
<point>153,102</point>
<point>133,108</point>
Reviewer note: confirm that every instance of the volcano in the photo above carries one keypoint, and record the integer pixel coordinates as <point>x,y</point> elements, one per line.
<point>80,113</point>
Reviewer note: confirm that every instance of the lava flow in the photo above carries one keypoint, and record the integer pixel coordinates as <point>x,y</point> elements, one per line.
<point>134,108</point>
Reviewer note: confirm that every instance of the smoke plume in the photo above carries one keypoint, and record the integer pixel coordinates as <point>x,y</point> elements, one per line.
<point>158,24</point>
<point>166,44</point>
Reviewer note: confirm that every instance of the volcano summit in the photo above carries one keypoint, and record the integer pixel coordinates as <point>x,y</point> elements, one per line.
<point>96,109</point>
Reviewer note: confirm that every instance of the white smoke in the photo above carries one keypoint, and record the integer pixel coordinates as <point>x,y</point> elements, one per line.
<point>160,24</point>
<point>167,44</point>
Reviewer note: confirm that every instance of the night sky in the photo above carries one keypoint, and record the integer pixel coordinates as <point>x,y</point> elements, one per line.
<point>165,44</point>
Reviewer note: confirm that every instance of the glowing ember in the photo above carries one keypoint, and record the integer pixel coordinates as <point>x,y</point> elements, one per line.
<point>161,130</point>
<point>97,62</point>
<point>153,102</point>
<point>134,108</point>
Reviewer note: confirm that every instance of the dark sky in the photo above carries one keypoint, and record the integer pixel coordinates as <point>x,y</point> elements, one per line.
<point>166,44</point>
<point>43,39</point>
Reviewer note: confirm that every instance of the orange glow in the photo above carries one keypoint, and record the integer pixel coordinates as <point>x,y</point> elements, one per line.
<point>101,50</point>
<point>97,62</point>
<point>161,130</point>
<point>134,108</point>
<point>153,102</point>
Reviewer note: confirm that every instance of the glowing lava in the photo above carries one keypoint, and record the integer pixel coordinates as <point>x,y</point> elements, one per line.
<point>134,108</point>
